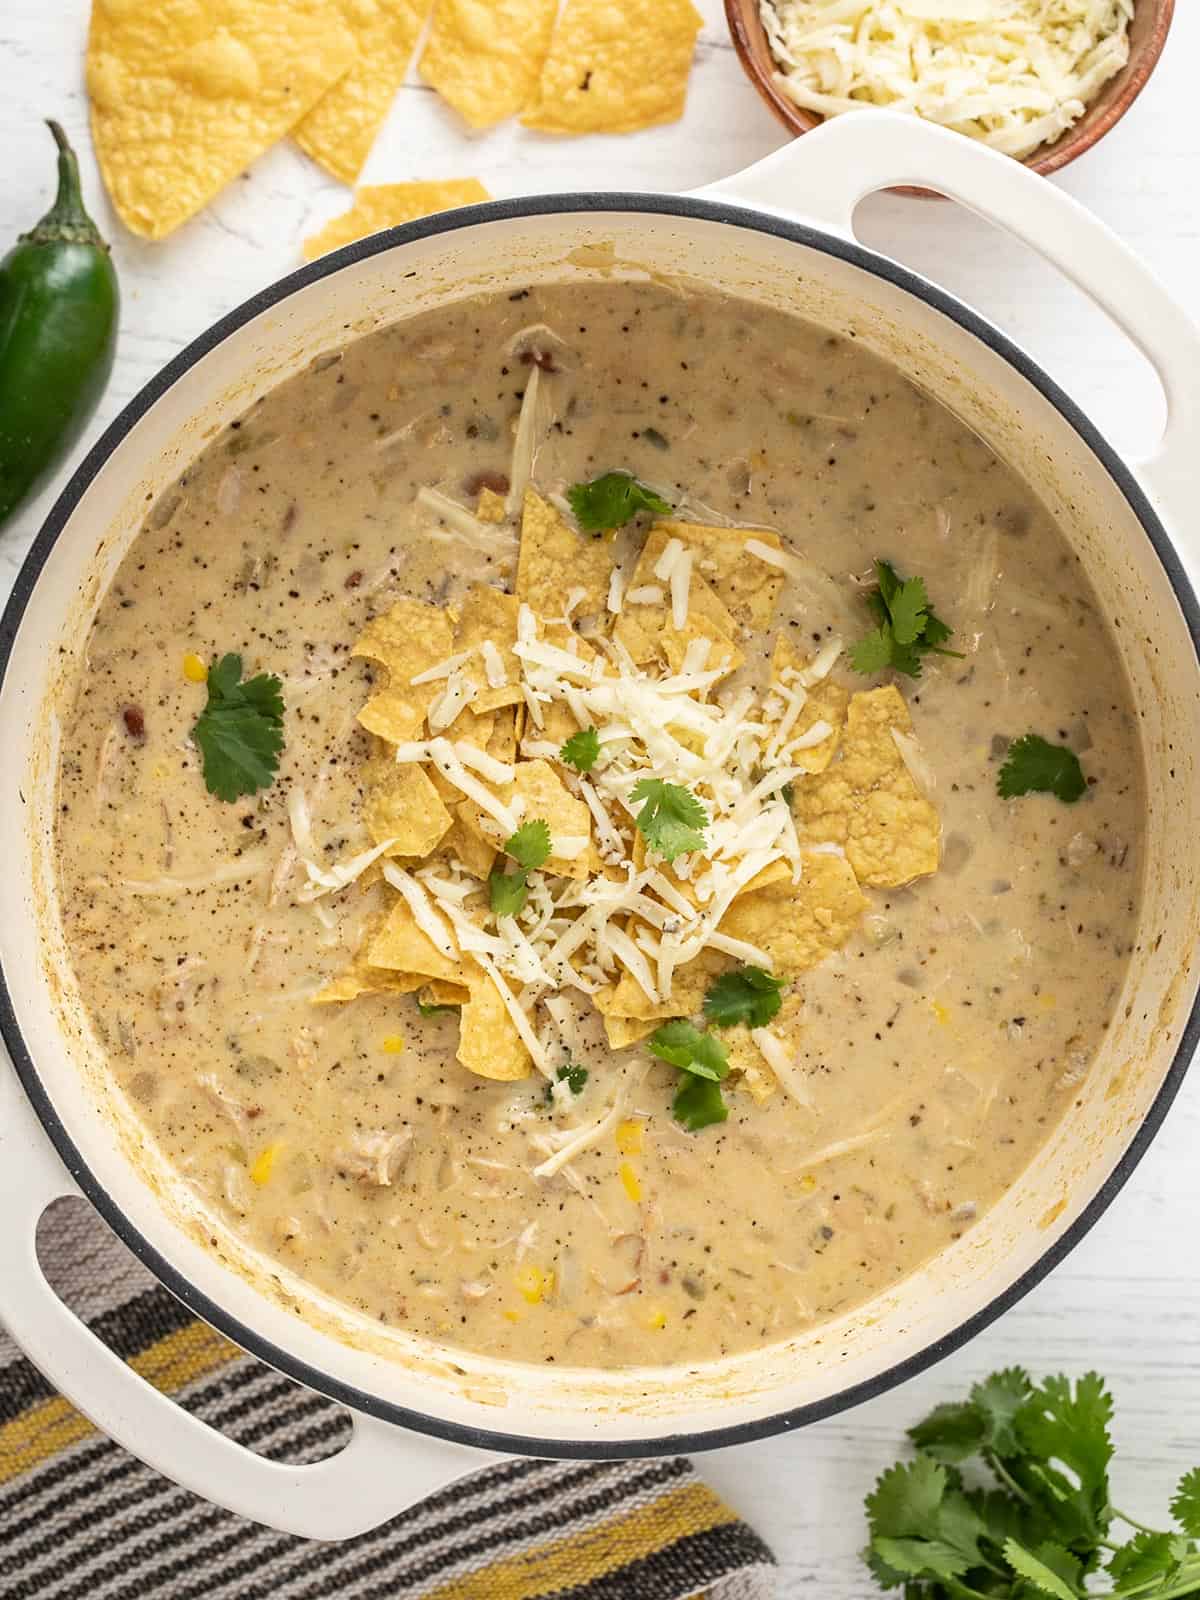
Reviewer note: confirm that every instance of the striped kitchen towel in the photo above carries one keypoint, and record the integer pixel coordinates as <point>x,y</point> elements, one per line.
<point>82,1520</point>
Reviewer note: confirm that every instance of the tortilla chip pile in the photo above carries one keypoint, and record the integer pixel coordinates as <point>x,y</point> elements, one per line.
<point>186,96</point>
<point>478,699</point>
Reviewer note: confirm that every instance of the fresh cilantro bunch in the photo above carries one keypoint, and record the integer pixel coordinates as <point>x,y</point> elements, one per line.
<point>529,847</point>
<point>240,731</point>
<point>908,627</point>
<point>612,500</point>
<point>704,1062</point>
<point>1046,1526</point>
<point>748,995</point>
<point>672,820</point>
<point>1035,766</point>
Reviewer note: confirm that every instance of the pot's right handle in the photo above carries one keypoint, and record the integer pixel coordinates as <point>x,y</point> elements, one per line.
<point>379,1473</point>
<point>825,174</point>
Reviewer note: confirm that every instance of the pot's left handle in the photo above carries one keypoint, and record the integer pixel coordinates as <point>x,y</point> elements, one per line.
<point>381,1471</point>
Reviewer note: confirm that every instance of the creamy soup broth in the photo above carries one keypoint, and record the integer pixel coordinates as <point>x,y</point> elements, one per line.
<point>938,1047</point>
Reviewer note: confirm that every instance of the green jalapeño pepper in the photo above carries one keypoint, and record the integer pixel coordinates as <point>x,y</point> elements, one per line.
<point>58,332</point>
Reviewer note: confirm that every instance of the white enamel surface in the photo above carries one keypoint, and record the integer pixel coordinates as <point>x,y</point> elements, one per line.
<point>628,1408</point>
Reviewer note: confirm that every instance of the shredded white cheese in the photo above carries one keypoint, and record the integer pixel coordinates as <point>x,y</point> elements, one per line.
<point>1014,74</point>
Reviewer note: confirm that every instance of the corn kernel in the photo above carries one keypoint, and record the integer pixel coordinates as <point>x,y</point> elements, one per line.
<point>808,1183</point>
<point>629,1182</point>
<point>1046,1002</point>
<point>393,1044</point>
<point>512,1316</point>
<point>941,1012</point>
<point>194,669</point>
<point>629,1137</point>
<point>657,1319</point>
<point>535,1285</point>
<point>263,1164</point>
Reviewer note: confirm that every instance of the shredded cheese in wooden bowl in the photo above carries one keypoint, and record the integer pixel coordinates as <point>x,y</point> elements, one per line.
<point>1015,74</point>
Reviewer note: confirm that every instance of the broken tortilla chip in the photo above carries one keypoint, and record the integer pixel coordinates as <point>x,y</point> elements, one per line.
<point>401,945</point>
<point>867,801</point>
<point>463,844</point>
<point>629,1001</point>
<point>490,614</point>
<point>503,741</point>
<point>484,56</point>
<point>554,559</point>
<point>407,640</point>
<point>648,632</point>
<point>748,1067</point>
<point>438,992</point>
<point>825,702</point>
<point>547,799</point>
<point>186,96</point>
<point>615,68</point>
<point>492,507</point>
<point>624,1031</point>
<point>488,1042</point>
<point>749,587</point>
<point>402,804</point>
<point>387,205</point>
<point>798,925</point>
<point>360,978</point>
<point>340,129</point>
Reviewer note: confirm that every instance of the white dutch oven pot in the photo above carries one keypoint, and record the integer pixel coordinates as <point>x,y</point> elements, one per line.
<point>780,234</point>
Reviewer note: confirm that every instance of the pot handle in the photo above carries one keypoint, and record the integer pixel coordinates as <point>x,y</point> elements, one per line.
<point>381,1471</point>
<point>823,176</point>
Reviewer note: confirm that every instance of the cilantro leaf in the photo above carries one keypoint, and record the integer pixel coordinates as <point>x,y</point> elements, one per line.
<point>950,1433</point>
<point>240,731</point>
<point>698,1103</point>
<point>684,1046</point>
<point>612,500</point>
<point>906,1500</point>
<point>671,819</point>
<point>908,627</point>
<point>1185,1507</point>
<point>582,750</point>
<point>507,891</point>
<point>1059,1426</point>
<point>530,845</point>
<point>1044,1579</point>
<point>921,1558</point>
<point>1147,1556</point>
<point>1033,765</point>
<point>751,996</point>
<point>998,1400</point>
<point>574,1076</point>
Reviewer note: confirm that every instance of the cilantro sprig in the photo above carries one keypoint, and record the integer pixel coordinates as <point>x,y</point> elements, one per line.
<point>1036,766</point>
<point>671,820</point>
<point>240,731</point>
<point>573,1075</point>
<point>1048,1524</point>
<point>703,1062</point>
<point>612,500</point>
<point>748,995</point>
<point>582,750</point>
<point>907,626</point>
<point>529,847</point>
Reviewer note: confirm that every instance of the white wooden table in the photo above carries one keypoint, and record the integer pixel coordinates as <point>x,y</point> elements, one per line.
<point>1128,1300</point>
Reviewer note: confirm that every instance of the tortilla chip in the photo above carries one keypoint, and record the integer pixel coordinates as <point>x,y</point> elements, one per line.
<point>407,640</point>
<point>748,587</point>
<point>799,925</point>
<point>826,702</point>
<point>554,559</point>
<point>503,741</point>
<point>624,1031</point>
<point>547,798</point>
<point>775,873</point>
<point>484,56</point>
<point>747,1065</point>
<point>492,507</point>
<point>341,128</point>
<point>473,727</point>
<point>401,945</point>
<point>186,96</point>
<point>489,613</point>
<point>615,68</point>
<point>476,853</point>
<point>488,1042</point>
<point>361,978</point>
<point>628,1000</point>
<point>387,205</point>
<point>868,802</point>
<point>648,632</point>
<point>402,804</point>
<point>438,992</point>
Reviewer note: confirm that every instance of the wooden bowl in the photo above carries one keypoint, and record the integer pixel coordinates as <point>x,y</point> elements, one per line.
<point>1147,35</point>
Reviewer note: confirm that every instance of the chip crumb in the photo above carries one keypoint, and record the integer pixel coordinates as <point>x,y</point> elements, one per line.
<point>387,205</point>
